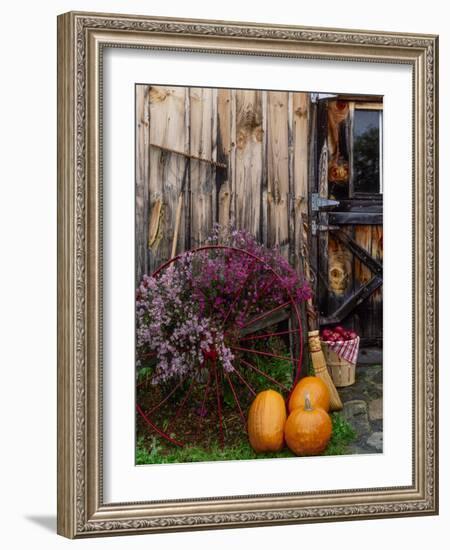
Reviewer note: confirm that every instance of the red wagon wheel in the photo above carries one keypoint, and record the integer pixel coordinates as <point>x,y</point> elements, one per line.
<point>244,323</point>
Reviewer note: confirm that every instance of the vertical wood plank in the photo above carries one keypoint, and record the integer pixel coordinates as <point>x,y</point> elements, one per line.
<point>313,188</point>
<point>142,177</point>
<point>377,297</point>
<point>278,171</point>
<point>203,145</point>
<point>167,129</point>
<point>299,105</point>
<point>362,274</point>
<point>224,177</point>
<point>187,186</point>
<point>214,152</point>
<point>300,129</point>
<point>291,190</point>
<point>248,169</point>
<point>265,139</point>
<point>321,239</point>
<point>233,156</point>
<point>363,236</point>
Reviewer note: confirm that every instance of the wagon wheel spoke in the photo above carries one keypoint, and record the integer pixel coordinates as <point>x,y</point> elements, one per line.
<point>244,381</point>
<point>266,325</point>
<point>238,294</point>
<point>173,421</point>
<point>165,399</point>
<point>264,315</point>
<point>219,403</point>
<point>265,353</point>
<point>261,291</point>
<point>156,429</point>
<point>205,396</point>
<point>262,373</point>
<point>236,399</point>
<point>268,335</point>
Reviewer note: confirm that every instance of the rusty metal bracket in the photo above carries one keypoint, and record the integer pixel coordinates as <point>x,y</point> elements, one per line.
<point>189,156</point>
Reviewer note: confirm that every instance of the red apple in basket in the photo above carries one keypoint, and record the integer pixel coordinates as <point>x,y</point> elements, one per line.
<point>340,330</point>
<point>326,333</point>
<point>352,335</point>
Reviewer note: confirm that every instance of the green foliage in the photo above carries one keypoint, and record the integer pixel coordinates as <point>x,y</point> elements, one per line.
<point>148,454</point>
<point>143,374</point>
<point>279,369</point>
<point>152,452</point>
<point>342,435</point>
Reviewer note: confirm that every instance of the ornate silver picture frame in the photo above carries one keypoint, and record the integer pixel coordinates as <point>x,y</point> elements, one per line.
<point>82,39</point>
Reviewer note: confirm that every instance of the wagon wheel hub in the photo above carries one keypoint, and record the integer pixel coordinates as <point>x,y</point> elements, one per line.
<point>211,354</point>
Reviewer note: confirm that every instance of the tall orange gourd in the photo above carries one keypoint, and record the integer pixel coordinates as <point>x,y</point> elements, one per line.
<point>308,430</point>
<point>266,419</point>
<point>318,392</point>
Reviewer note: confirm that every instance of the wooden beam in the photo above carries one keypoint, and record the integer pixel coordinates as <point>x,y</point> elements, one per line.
<point>355,300</point>
<point>355,218</point>
<point>365,257</point>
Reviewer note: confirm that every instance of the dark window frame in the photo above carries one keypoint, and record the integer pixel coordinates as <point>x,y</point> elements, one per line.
<point>365,105</point>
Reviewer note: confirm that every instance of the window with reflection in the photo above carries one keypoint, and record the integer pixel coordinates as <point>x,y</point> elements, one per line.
<point>367,158</point>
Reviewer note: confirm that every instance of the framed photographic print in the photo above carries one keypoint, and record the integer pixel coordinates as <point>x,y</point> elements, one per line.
<point>247,291</point>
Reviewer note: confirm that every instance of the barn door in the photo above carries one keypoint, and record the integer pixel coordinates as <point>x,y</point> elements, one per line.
<point>346,210</point>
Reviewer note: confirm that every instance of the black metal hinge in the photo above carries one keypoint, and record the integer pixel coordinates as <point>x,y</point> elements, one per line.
<point>321,203</point>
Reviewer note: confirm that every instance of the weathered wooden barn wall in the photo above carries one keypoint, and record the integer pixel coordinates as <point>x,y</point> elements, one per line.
<point>256,175</point>
<point>245,157</point>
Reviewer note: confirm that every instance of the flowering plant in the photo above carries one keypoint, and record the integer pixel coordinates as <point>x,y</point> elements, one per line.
<point>187,313</point>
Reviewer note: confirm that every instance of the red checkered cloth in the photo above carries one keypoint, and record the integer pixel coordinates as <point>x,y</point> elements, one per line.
<point>348,350</point>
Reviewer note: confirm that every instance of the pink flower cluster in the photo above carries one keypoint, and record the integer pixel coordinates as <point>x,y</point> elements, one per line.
<point>170,326</point>
<point>288,282</point>
<point>187,312</point>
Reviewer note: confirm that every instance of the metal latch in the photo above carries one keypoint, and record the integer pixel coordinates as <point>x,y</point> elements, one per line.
<point>315,227</point>
<point>319,203</point>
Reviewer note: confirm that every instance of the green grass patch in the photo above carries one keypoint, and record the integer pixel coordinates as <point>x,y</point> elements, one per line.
<point>153,452</point>
<point>343,435</point>
<point>159,455</point>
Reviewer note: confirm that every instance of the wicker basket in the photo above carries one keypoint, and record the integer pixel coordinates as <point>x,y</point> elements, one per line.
<point>342,372</point>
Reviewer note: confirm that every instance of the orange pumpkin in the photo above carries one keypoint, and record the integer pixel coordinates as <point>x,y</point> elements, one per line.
<point>308,430</point>
<point>266,419</point>
<point>318,392</point>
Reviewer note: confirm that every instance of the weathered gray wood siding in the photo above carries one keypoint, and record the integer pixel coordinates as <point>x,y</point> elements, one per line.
<point>261,137</point>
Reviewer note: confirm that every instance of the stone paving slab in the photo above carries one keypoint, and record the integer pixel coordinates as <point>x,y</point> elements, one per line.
<point>363,408</point>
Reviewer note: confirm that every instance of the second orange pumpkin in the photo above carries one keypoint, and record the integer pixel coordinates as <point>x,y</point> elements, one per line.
<point>308,430</point>
<point>317,390</point>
